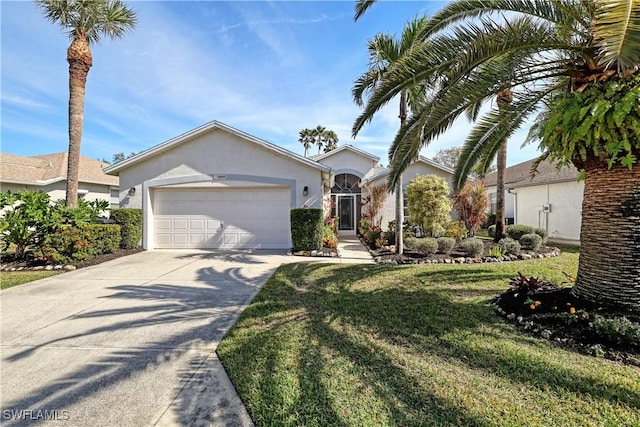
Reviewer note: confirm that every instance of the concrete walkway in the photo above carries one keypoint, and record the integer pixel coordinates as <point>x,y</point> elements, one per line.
<point>350,251</point>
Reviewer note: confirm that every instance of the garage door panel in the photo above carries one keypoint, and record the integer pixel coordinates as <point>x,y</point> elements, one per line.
<point>196,224</point>
<point>230,218</point>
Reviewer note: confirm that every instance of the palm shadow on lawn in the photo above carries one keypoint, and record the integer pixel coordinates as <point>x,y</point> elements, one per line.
<point>358,324</point>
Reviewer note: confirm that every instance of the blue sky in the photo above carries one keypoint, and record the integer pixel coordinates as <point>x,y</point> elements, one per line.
<point>269,68</point>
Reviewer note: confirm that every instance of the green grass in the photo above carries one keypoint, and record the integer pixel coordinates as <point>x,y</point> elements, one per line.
<point>369,345</point>
<point>9,279</point>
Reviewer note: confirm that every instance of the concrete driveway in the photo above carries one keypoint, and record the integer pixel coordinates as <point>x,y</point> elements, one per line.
<point>130,342</point>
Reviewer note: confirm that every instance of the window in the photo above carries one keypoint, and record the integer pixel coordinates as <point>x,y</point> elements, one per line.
<point>492,202</point>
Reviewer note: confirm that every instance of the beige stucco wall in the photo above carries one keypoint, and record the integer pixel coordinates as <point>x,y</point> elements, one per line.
<point>414,170</point>
<point>220,153</point>
<point>235,162</point>
<point>565,198</point>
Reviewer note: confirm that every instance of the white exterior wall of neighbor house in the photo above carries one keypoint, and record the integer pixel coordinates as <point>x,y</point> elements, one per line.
<point>564,217</point>
<point>509,203</point>
<point>237,163</point>
<point>414,170</point>
<point>57,190</point>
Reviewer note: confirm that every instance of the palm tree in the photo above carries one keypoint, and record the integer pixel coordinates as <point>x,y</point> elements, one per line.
<point>307,139</point>
<point>577,54</point>
<point>319,133</point>
<point>384,51</point>
<point>86,21</point>
<point>331,141</point>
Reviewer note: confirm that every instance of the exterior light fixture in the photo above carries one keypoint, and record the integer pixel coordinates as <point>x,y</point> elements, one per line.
<point>132,191</point>
<point>305,191</point>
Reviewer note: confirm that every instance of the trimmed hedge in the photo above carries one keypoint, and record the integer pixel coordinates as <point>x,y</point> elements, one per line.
<point>542,233</point>
<point>424,245</point>
<point>446,244</point>
<point>130,221</point>
<point>509,246</point>
<point>69,244</point>
<point>530,241</point>
<point>307,226</point>
<point>472,247</point>
<point>516,231</point>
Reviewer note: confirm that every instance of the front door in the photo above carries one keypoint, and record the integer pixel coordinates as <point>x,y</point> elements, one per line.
<point>347,214</point>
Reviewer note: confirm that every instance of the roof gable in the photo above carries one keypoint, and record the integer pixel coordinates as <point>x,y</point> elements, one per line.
<point>386,171</point>
<point>346,147</point>
<point>199,131</point>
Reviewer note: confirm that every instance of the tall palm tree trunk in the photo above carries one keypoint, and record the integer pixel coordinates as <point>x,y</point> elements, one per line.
<point>504,98</point>
<point>80,61</point>
<point>609,267</point>
<point>501,165</point>
<point>399,194</point>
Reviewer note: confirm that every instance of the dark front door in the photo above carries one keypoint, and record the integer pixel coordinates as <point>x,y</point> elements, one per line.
<point>346,211</point>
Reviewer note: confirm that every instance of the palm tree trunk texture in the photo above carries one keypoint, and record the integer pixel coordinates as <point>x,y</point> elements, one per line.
<point>501,164</point>
<point>399,216</point>
<point>80,61</point>
<point>504,98</point>
<point>609,267</point>
<point>399,195</point>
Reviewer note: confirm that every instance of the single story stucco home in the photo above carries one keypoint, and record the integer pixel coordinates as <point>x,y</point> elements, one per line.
<point>218,187</point>
<point>48,173</point>
<point>551,199</point>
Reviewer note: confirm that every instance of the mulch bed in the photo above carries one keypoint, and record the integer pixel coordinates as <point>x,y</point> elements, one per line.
<point>556,315</point>
<point>8,263</point>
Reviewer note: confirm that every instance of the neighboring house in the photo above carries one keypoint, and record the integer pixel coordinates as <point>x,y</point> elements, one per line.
<point>551,200</point>
<point>218,187</point>
<point>48,172</point>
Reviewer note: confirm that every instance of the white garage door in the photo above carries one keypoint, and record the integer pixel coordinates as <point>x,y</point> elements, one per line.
<point>234,218</point>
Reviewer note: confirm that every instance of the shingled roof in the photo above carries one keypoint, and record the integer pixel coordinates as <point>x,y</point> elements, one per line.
<point>520,175</point>
<point>48,168</point>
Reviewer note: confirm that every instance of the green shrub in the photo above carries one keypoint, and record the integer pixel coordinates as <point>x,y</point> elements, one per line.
<point>530,241</point>
<point>329,237</point>
<point>516,231</point>
<point>25,219</point>
<point>472,247</point>
<point>363,226</point>
<point>617,330</point>
<point>130,221</point>
<point>542,233</point>
<point>509,246</point>
<point>496,252</point>
<point>457,230</point>
<point>491,230</point>
<point>306,229</point>
<point>68,244</point>
<point>489,221</point>
<point>424,245</point>
<point>446,244</point>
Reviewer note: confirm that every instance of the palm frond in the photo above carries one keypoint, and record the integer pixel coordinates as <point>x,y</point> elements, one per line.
<point>617,33</point>
<point>361,7</point>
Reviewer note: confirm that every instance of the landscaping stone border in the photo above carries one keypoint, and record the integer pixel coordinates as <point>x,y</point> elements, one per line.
<point>461,260</point>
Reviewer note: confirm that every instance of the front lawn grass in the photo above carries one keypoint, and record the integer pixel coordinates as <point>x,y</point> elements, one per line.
<point>9,279</point>
<point>370,345</point>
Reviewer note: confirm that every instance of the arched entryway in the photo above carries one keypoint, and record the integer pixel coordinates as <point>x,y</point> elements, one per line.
<point>346,196</point>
